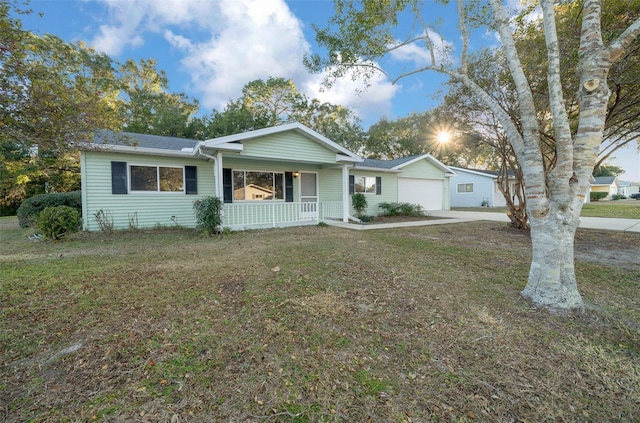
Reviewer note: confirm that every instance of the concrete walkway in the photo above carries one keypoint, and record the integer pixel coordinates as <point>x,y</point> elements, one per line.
<point>451,216</point>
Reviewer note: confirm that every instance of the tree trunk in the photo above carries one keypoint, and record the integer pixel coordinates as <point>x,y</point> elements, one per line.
<point>552,280</point>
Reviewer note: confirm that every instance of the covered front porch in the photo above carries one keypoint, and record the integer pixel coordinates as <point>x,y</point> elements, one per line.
<point>282,176</point>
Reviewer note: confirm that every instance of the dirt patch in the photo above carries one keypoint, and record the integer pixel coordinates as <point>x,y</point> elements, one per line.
<point>618,249</point>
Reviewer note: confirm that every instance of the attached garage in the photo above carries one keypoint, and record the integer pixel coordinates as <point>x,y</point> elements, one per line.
<point>428,193</point>
<point>420,180</point>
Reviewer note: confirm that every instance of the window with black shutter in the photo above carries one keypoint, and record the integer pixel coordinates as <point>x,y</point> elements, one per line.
<point>119,178</point>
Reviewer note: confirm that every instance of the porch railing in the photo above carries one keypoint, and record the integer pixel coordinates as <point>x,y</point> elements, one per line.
<point>266,214</point>
<point>331,210</point>
<point>272,214</point>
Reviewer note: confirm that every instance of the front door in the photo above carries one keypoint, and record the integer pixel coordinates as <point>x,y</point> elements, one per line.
<point>308,196</point>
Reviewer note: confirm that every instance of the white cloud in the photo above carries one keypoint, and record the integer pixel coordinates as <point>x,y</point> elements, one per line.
<point>129,21</point>
<point>236,42</point>
<point>348,91</point>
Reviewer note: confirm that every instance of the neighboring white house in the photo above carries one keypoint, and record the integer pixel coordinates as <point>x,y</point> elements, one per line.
<point>475,188</point>
<point>278,176</point>
<point>627,188</point>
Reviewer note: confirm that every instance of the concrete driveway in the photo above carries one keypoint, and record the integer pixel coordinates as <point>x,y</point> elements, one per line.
<point>452,216</point>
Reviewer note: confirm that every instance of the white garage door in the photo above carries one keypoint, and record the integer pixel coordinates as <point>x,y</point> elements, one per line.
<point>426,192</point>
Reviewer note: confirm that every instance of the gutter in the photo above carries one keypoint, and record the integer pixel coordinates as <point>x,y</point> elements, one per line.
<point>139,150</point>
<point>217,170</point>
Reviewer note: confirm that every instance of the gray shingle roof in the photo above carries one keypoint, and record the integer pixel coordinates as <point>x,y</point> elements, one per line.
<point>143,140</point>
<point>604,180</point>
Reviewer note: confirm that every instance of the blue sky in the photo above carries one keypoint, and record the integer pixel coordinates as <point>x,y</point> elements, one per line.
<point>211,48</point>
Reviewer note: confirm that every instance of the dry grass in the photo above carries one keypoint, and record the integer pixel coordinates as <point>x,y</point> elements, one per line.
<point>312,324</point>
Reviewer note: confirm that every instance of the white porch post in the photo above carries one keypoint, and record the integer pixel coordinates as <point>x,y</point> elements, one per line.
<point>345,192</point>
<point>218,176</point>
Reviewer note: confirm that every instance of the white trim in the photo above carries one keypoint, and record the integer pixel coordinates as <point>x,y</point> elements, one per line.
<point>465,192</point>
<point>83,190</point>
<point>475,172</point>
<point>377,169</point>
<point>130,190</point>
<point>345,193</point>
<point>433,160</point>
<point>273,172</point>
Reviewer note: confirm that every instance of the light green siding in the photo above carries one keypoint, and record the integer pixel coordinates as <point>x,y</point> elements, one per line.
<point>290,146</point>
<point>422,169</point>
<point>151,209</point>
<point>330,184</point>
<point>389,191</point>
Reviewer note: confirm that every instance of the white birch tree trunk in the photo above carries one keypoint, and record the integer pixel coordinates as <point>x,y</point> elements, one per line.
<point>552,280</point>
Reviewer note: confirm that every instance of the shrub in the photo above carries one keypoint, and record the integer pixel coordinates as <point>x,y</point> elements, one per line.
<point>56,222</point>
<point>208,211</point>
<point>618,197</point>
<point>31,207</point>
<point>595,196</point>
<point>402,209</point>
<point>366,218</point>
<point>359,204</point>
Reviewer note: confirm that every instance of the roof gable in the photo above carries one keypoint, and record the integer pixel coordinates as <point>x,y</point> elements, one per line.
<point>295,127</point>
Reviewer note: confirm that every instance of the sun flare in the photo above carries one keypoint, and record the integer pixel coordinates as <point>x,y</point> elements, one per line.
<point>444,137</point>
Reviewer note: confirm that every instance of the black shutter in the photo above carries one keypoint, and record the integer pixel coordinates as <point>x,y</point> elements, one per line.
<point>119,178</point>
<point>227,185</point>
<point>378,185</point>
<point>191,179</point>
<point>288,187</point>
<point>352,184</point>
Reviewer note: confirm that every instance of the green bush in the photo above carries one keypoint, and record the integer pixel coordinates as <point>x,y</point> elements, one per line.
<point>596,196</point>
<point>208,211</point>
<point>56,222</point>
<point>618,197</point>
<point>359,204</point>
<point>402,209</point>
<point>30,208</point>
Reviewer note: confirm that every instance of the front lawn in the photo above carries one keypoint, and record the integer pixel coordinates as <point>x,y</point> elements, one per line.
<point>312,324</point>
<point>629,209</point>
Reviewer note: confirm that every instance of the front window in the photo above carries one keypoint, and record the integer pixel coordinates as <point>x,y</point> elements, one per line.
<point>365,184</point>
<point>465,187</point>
<point>257,186</point>
<point>157,178</point>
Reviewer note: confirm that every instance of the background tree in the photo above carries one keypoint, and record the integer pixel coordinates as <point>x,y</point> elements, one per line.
<point>146,107</point>
<point>361,34</point>
<point>465,110</point>
<point>274,102</point>
<point>52,95</point>
<point>608,170</point>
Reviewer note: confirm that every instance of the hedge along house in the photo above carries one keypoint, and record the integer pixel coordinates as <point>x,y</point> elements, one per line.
<point>278,176</point>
